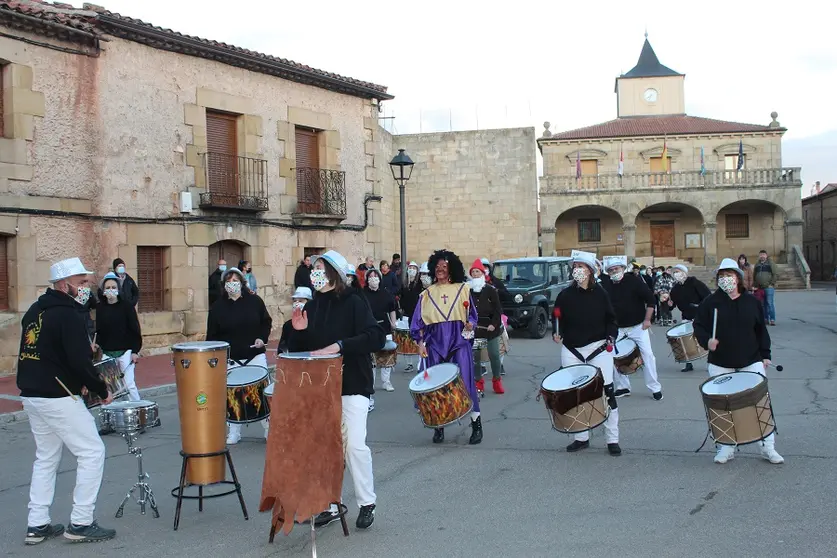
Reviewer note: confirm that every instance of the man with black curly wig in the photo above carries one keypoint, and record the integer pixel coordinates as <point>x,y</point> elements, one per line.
<point>443,325</point>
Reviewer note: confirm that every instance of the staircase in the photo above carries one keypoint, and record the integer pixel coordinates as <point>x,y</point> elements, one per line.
<point>789,278</point>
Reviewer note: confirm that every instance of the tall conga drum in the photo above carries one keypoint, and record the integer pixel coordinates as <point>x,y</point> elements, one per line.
<point>201,375</point>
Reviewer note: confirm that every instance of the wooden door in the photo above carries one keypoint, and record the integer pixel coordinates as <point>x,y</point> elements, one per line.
<point>662,239</point>
<point>221,158</point>
<point>308,187</point>
<point>232,252</point>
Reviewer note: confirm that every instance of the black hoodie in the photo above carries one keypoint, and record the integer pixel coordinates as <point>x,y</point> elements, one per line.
<point>742,336</point>
<point>689,295</point>
<point>239,322</point>
<point>117,326</point>
<point>582,316</point>
<point>348,319</point>
<point>54,344</point>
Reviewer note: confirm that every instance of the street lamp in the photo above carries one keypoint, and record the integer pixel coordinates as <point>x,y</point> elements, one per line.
<point>402,167</point>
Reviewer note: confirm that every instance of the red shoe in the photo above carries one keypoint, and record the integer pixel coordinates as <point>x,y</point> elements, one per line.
<point>497,384</point>
<point>481,385</point>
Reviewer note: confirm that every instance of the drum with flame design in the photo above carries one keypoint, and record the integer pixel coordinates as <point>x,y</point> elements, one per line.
<point>246,400</point>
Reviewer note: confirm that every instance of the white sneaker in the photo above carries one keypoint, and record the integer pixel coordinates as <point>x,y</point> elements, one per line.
<point>388,386</point>
<point>725,453</point>
<point>371,404</point>
<point>233,440</point>
<point>770,454</point>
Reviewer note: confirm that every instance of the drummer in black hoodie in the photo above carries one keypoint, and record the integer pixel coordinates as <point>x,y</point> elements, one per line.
<point>341,322</point>
<point>741,342</point>
<point>687,294</point>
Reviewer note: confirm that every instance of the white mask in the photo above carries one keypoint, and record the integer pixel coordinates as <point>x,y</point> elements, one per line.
<point>319,279</point>
<point>477,283</point>
<point>679,276</point>
<point>580,275</point>
<point>426,280</point>
<point>617,276</point>
<point>111,294</point>
<point>374,283</point>
<point>298,305</point>
<point>120,270</point>
<point>727,284</point>
<point>232,287</point>
<point>83,295</point>
<point>411,272</point>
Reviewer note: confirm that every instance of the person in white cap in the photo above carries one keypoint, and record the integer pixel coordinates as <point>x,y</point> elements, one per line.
<point>383,308</point>
<point>338,321</point>
<point>424,276</point>
<point>409,300</point>
<point>299,299</point>
<point>54,366</point>
<point>585,323</point>
<point>687,294</point>
<point>740,343</point>
<point>634,304</point>
<point>351,278</point>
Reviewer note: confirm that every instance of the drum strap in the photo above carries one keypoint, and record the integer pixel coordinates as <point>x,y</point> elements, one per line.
<point>591,356</point>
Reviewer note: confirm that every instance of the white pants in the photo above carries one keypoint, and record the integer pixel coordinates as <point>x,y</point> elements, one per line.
<point>127,368</point>
<point>757,366</point>
<point>603,361</point>
<point>357,454</point>
<point>258,360</point>
<point>649,363</point>
<point>56,423</point>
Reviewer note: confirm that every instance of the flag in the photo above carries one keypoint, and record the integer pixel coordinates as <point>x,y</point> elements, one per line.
<point>621,169</point>
<point>740,154</point>
<point>665,156</point>
<point>702,163</point>
<point>578,164</point>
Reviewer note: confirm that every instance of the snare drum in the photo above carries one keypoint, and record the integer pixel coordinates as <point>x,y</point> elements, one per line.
<point>388,356</point>
<point>480,344</point>
<point>574,397</point>
<point>246,401</point>
<point>684,344</point>
<point>268,395</point>
<point>130,416</point>
<point>406,345</point>
<point>441,398</point>
<point>109,372</point>
<point>738,408</point>
<point>627,358</point>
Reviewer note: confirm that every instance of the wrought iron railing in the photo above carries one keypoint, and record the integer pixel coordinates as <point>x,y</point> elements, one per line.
<point>560,184</point>
<point>234,182</point>
<point>320,191</point>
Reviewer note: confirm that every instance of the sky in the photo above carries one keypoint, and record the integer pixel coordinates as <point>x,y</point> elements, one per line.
<point>462,64</point>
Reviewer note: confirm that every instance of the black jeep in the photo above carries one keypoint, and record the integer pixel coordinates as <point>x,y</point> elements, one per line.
<point>528,287</point>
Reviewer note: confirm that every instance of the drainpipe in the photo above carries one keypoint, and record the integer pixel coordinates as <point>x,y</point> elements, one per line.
<point>822,238</point>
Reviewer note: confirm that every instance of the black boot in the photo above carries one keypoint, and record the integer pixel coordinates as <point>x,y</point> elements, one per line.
<point>476,431</point>
<point>576,445</point>
<point>688,367</point>
<point>438,435</point>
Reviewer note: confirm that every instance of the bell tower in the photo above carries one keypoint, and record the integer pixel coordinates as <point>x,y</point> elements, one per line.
<point>650,89</point>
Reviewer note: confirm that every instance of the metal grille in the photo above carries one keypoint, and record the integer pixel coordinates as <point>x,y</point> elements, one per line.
<point>738,225</point>
<point>321,191</point>
<point>235,182</point>
<point>589,230</point>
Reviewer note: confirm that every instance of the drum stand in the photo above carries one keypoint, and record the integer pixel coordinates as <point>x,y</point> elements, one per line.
<point>145,494</point>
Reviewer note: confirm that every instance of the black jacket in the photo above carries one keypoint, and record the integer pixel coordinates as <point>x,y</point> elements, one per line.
<point>629,297</point>
<point>54,344</point>
<point>689,295</point>
<point>742,336</point>
<point>582,316</point>
<point>391,282</point>
<point>302,277</point>
<point>649,280</point>
<point>348,319</point>
<point>410,296</point>
<point>129,290</point>
<point>117,327</point>
<point>216,289</point>
<point>239,323</point>
<point>382,303</point>
<point>489,312</point>
<point>287,331</point>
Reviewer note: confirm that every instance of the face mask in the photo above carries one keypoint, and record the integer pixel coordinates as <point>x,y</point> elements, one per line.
<point>426,280</point>
<point>680,277</point>
<point>298,305</point>
<point>477,284</point>
<point>232,287</point>
<point>374,283</point>
<point>727,284</point>
<point>222,268</point>
<point>617,276</point>
<point>319,279</point>
<point>120,269</point>
<point>411,273</point>
<point>659,273</point>
<point>111,294</point>
<point>580,275</point>
<point>82,295</point>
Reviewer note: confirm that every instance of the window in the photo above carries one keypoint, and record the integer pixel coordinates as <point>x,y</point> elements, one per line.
<point>589,167</point>
<point>151,275</point>
<point>555,273</point>
<point>657,164</point>
<point>738,225</point>
<point>4,270</point>
<point>308,186</point>
<point>589,230</point>
<point>731,162</point>
<point>222,153</point>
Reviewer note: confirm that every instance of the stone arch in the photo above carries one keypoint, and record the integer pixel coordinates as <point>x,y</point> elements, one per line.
<point>231,250</point>
<point>589,227</point>
<point>670,230</point>
<point>749,225</point>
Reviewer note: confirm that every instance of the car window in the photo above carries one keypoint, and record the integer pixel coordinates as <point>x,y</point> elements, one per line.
<point>555,273</point>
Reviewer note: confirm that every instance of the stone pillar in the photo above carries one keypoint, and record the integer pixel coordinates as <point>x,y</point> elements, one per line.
<point>547,240</point>
<point>710,248</point>
<point>629,238</point>
<point>793,232</point>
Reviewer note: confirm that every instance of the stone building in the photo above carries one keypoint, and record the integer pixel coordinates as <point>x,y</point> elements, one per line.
<point>819,212</point>
<point>720,191</point>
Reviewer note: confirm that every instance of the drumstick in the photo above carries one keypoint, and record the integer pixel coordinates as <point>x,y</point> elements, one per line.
<point>94,337</point>
<point>778,367</point>
<point>70,393</point>
<point>715,324</point>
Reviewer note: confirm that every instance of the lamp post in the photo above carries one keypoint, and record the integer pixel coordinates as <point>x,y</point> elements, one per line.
<point>402,167</point>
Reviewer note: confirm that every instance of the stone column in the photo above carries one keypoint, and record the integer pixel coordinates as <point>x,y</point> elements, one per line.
<point>547,240</point>
<point>629,238</point>
<point>710,248</point>
<point>793,232</point>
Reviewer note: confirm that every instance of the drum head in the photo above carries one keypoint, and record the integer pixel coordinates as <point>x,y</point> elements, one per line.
<point>141,404</point>
<point>438,375</point>
<point>200,346</point>
<point>681,329</point>
<point>269,389</point>
<point>735,382</point>
<point>570,377</point>
<point>625,346</point>
<point>306,356</point>
<point>245,375</point>
<point>390,346</point>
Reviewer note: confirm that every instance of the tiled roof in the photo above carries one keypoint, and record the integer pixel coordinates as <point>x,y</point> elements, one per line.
<point>660,126</point>
<point>96,19</point>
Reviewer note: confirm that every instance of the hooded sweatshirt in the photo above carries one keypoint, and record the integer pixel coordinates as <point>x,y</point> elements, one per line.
<point>54,344</point>
<point>688,296</point>
<point>583,316</point>
<point>239,322</point>
<point>742,336</point>
<point>630,298</point>
<point>117,326</point>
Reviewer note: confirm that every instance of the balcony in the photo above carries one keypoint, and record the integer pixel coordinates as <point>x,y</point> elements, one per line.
<point>651,181</point>
<point>233,182</point>
<point>321,195</point>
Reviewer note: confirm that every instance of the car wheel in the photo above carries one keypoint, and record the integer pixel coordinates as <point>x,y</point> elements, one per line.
<point>538,325</point>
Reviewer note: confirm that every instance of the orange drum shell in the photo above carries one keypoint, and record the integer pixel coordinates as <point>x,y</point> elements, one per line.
<point>629,363</point>
<point>406,345</point>
<point>740,418</point>
<point>386,359</point>
<point>685,348</point>
<point>445,405</point>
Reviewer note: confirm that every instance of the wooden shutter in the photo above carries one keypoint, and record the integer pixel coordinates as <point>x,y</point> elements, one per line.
<point>4,271</point>
<point>309,195</point>
<point>151,278</point>
<point>221,158</point>
<point>589,167</point>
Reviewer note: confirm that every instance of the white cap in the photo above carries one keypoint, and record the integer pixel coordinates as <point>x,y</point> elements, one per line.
<point>413,264</point>
<point>613,261</point>
<point>232,270</point>
<point>485,261</point>
<point>351,270</point>
<point>67,268</point>
<point>731,265</point>
<point>587,258</point>
<point>303,292</point>
<point>424,268</point>
<point>334,259</point>
<point>682,268</point>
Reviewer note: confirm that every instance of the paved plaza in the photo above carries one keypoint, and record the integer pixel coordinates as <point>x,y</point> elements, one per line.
<point>518,493</point>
